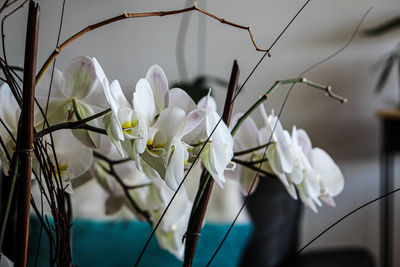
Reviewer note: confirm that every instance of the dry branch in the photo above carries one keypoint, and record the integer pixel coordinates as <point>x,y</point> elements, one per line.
<point>127,15</point>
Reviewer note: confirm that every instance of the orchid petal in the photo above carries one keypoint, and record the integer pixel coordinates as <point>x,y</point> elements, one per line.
<point>143,101</point>
<point>304,142</point>
<point>67,146</point>
<point>175,169</point>
<point>208,103</point>
<point>283,150</point>
<point>192,121</point>
<point>246,136</point>
<point>80,78</point>
<point>331,176</point>
<point>179,98</point>
<point>43,87</point>
<point>9,108</point>
<point>159,85</point>
<point>109,125</point>
<point>117,95</point>
<point>88,138</point>
<point>170,121</point>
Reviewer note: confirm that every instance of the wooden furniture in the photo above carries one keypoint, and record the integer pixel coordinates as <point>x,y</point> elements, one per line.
<point>390,146</point>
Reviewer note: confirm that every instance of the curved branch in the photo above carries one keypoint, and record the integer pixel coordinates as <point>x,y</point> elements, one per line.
<point>127,15</point>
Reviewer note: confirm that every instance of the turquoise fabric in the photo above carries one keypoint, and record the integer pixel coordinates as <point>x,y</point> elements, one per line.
<point>118,243</point>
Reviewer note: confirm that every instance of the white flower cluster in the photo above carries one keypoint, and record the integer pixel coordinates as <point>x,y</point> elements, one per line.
<point>162,130</point>
<point>306,172</point>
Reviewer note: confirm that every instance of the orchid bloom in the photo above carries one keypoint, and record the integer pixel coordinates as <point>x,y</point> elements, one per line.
<point>173,124</point>
<point>247,136</point>
<point>9,115</point>
<point>67,163</point>
<point>307,172</point>
<point>76,94</point>
<point>278,154</point>
<point>174,224</point>
<point>322,178</point>
<point>180,125</point>
<point>218,153</point>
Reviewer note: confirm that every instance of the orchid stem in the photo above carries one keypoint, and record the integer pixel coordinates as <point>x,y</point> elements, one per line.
<point>249,165</point>
<point>247,151</point>
<point>125,187</point>
<point>326,89</point>
<point>80,124</point>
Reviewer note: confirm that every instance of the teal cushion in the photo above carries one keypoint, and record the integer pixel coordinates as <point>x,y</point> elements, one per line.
<point>118,243</point>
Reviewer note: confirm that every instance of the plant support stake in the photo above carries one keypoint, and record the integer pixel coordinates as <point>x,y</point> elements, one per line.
<point>25,135</point>
<point>196,219</point>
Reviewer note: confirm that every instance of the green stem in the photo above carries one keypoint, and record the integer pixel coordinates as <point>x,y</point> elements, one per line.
<point>251,162</point>
<point>80,124</point>
<point>9,200</point>
<point>250,166</point>
<point>326,89</point>
<point>250,150</point>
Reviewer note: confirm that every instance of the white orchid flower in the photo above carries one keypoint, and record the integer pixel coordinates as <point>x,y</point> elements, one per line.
<point>278,154</point>
<point>73,158</point>
<point>322,178</point>
<point>121,123</point>
<point>76,93</point>
<point>218,153</point>
<point>174,224</point>
<point>9,115</point>
<point>159,85</point>
<point>247,136</point>
<point>172,125</point>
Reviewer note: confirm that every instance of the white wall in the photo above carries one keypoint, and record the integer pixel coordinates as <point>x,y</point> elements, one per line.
<point>350,133</point>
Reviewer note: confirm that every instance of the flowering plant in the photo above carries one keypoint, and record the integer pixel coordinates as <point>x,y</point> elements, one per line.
<point>140,152</point>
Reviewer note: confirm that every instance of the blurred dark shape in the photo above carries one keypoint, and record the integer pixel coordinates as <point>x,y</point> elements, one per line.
<point>393,59</point>
<point>389,63</point>
<point>200,85</point>
<point>387,26</point>
<point>275,237</point>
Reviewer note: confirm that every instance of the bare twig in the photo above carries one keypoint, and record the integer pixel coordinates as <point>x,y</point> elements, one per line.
<point>125,187</point>
<point>3,35</point>
<point>127,15</point>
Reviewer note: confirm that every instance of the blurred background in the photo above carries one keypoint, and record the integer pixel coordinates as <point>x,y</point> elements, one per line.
<point>349,133</point>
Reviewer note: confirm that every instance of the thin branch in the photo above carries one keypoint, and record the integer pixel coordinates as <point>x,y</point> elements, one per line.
<point>326,89</point>
<point>81,124</point>
<point>125,187</point>
<point>3,35</point>
<point>127,15</point>
<point>250,166</point>
<point>250,150</point>
<point>7,4</point>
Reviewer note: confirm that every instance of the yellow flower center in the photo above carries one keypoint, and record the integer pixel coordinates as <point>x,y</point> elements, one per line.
<point>127,126</point>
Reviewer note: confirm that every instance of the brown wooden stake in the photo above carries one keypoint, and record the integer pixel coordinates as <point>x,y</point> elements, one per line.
<point>197,218</point>
<point>25,135</point>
